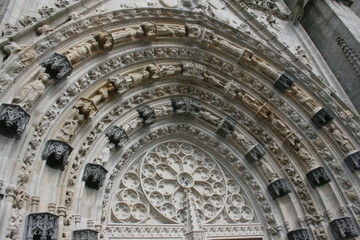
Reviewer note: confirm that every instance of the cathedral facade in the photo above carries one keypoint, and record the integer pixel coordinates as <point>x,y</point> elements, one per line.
<point>177,119</point>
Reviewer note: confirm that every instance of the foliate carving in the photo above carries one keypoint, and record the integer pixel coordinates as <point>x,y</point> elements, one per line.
<point>147,114</point>
<point>283,83</point>
<point>85,234</point>
<point>56,153</point>
<point>94,176</point>
<point>57,66</point>
<point>299,234</point>
<point>42,226</point>
<point>279,188</point>
<point>353,161</point>
<point>343,228</point>
<point>318,177</point>
<point>255,153</point>
<point>117,136</point>
<point>13,120</point>
<point>186,107</point>
<point>227,127</point>
<point>321,118</point>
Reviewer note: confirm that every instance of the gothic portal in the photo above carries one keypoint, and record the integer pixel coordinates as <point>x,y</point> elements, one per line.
<point>172,119</point>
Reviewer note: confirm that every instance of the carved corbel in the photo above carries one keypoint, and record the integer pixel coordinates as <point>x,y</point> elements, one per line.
<point>147,114</point>
<point>185,107</point>
<point>321,118</point>
<point>353,161</point>
<point>278,188</point>
<point>56,153</point>
<point>117,136</point>
<point>42,226</point>
<point>343,228</point>
<point>57,66</point>
<point>283,83</point>
<point>318,177</point>
<point>299,234</point>
<point>13,120</point>
<point>85,234</point>
<point>255,153</point>
<point>227,127</point>
<point>94,176</point>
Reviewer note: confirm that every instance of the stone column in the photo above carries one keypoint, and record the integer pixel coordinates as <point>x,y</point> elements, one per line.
<point>10,197</point>
<point>35,203</point>
<point>61,211</point>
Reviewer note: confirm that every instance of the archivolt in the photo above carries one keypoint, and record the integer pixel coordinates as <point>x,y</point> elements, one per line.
<point>228,71</point>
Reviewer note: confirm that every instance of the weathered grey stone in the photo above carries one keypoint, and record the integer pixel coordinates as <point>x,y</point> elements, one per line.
<point>227,127</point>
<point>56,153</point>
<point>278,188</point>
<point>318,177</point>
<point>42,226</point>
<point>185,107</point>
<point>283,83</point>
<point>299,234</point>
<point>321,118</point>
<point>255,153</point>
<point>94,176</point>
<point>353,161</point>
<point>13,120</point>
<point>343,228</point>
<point>85,234</point>
<point>147,114</point>
<point>57,66</point>
<point>117,136</point>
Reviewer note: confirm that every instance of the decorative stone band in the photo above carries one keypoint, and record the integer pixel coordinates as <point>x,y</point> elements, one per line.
<point>147,114</point>
<point>353,161</point>
<point>42,226</point>
<point>298,234</point>
<point>278,188</point>
<point>57,66</point>
<point>185,107</point>
<point>85,234</point>
<point>94,176</point>
<point>283,83</point>
<point>255,153</point>
<point>343,228</point>
<point>227,127</point>
<point>318,177</point>
<point>117,136</point>
<point>56,153</point>
<point>321,118</point>
<point>13,120</point>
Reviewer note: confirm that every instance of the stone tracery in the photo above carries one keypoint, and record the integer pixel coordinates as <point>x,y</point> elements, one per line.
<point>194,70</point>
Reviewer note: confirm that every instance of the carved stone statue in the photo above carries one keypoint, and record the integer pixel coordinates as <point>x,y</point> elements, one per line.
<point>252,103</point>
<point>207,116</point>
<point>305,100</point>
<point>304,154</point>
<point>279,125</point>
<point>268,172</point>
<point>70,127</point>
<point>31,92</point>
<point>105,40</point>
<point>102,93</point>
<point>340,137</point>
<point>81,51</point>
<point>104,155</point>
<point>244,143</point>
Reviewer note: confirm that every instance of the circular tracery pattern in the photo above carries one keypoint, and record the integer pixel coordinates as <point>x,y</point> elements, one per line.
<point>162,178</point>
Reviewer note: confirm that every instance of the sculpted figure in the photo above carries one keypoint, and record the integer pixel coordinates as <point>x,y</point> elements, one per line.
<point>82,51</point>
<point>31,92</point>
<point>251,102</point>
<point>279,125</point>
<point>268,172</point>
<point>340,137</point>
<point>303,98</point>
<point>228,47</point>
<point>245,144</point>
<point>304,154</point>
<point>207,116</point>
<point>105,40</point>
<point>105,154</point>
<point>102,93</point>
<point>69,128</point>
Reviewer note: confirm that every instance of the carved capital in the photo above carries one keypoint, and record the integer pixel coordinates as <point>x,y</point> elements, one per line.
<point>94,176</point>
<point>56,153</point>
<point>353,161</point>
<point>13,120</point>
<point>283,83</point>
<point>255,153</point>
<point>117,136</point>
<point>57,66</point>
<point>318,177</point>
<point>343,228</point>
<point>42,225</point>
<point>227,127</point>
<point>147,114</point>
<point>185,107</point>
<point>299,234</point>
<point>321,118</point>
<point>85,234</point>
<point>278,188</point>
